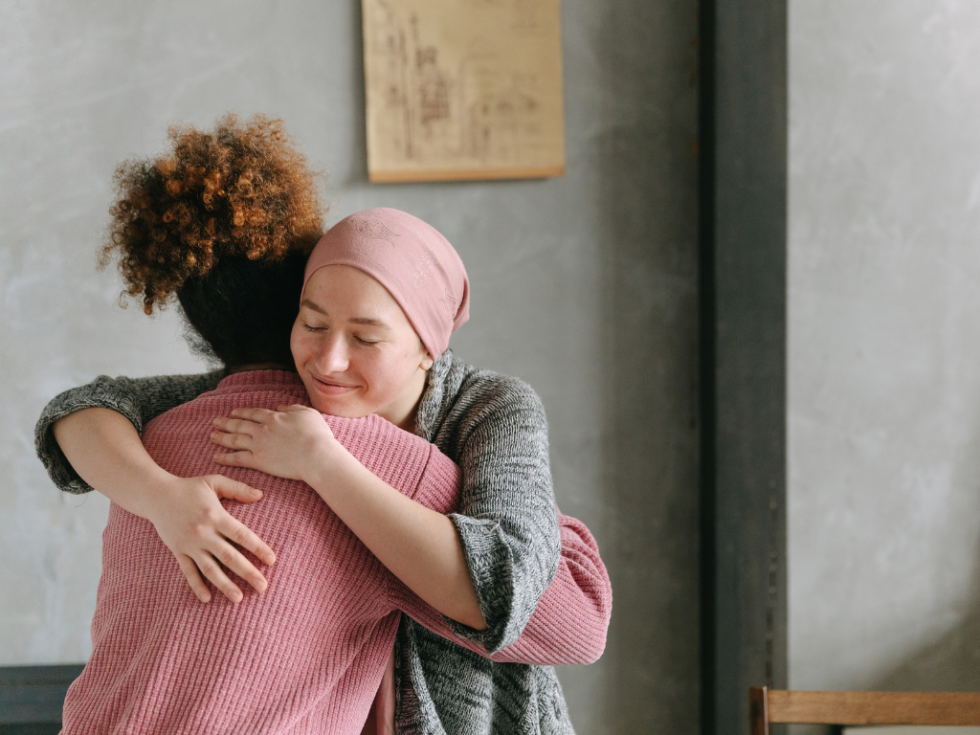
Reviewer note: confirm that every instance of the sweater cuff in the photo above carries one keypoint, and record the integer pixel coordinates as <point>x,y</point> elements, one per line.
<point>102,393</point>
<point>491,565</point>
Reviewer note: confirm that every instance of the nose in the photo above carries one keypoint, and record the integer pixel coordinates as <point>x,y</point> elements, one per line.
<point>332,357</point>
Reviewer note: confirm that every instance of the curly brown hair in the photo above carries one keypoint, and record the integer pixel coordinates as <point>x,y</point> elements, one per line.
<point>241,190</point>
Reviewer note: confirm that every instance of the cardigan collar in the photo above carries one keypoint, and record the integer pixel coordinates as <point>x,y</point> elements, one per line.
<point>431,410</point>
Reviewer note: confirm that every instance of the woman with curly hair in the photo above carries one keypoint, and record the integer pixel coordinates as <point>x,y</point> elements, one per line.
<point>225,223</point>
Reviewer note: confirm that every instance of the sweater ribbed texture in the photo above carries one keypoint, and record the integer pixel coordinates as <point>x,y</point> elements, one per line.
<point>305,657</point>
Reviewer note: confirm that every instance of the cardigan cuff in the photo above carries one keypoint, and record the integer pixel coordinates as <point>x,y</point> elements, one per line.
<point>490,558</point>
<point>103,392</point>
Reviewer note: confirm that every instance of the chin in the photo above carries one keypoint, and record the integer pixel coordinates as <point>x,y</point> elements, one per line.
<point>332,408</point>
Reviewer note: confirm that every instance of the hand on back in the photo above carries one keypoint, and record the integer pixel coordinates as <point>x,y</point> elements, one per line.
<point>202,535</point>
<point>293,442</point>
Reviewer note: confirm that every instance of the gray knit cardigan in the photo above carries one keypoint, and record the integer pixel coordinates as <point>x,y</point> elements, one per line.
<point>494,427</point>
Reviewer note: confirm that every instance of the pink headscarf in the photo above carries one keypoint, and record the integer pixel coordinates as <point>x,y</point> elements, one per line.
<point>411,259</point>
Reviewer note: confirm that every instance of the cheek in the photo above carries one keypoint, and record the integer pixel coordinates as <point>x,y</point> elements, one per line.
<point>385,373</point>
<point>299,343</point>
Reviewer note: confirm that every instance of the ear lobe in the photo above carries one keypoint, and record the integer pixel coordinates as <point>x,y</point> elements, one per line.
<point>427,361</point>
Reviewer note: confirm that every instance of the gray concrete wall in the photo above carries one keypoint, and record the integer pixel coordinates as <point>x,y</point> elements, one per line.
<point>584,286</point>
<point>884,344</point>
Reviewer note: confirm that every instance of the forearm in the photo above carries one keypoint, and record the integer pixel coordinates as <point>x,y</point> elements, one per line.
<point>105,450</point>
<point>418,545</point>
<point>137,399</point>
<point>570,623</point>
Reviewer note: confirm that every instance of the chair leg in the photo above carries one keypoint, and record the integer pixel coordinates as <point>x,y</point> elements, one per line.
<point>759,711</point>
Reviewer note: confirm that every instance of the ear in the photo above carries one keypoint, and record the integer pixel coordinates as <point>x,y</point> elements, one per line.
<point>427,361</point>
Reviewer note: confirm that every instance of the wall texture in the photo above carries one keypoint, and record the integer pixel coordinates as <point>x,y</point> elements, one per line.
<point>584,286</point>
<point>884,335</point>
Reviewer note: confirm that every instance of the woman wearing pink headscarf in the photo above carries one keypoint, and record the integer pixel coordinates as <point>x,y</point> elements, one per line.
<point>383,292</point>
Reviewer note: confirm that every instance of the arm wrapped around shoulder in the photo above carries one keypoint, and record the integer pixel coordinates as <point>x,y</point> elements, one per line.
<point>568,626</point>
<point>507,520</point>
<point>138,399</point>
<point>570,623</point>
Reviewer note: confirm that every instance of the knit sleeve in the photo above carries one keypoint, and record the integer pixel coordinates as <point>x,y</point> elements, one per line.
<point>570,622</point>
<point>507,520</point>
<point>138,399</point>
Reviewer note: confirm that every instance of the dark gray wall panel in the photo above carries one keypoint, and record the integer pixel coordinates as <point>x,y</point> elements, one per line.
<point>744,355</point>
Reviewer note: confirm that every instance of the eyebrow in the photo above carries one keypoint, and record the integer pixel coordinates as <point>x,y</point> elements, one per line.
<point>368,322</point>
<point>310,305</point>
<point>355,320</point>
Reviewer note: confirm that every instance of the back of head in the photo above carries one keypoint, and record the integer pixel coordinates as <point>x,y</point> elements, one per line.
<point>224,222</point>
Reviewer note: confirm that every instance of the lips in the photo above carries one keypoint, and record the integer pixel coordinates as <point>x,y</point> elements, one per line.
<point>331,387</point>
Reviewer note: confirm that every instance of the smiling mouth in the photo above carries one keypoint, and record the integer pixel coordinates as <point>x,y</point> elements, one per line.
<point>330,387</point>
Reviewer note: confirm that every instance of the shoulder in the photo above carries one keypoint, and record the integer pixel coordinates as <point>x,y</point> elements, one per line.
<point>162,383</point>
<point>485,401</point>
<point>179,388</point>
<point>478,389</point>
<point>170,393</point>
<point>488,390</point>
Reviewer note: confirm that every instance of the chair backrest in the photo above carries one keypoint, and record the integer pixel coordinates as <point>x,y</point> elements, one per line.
<point>860,708</point>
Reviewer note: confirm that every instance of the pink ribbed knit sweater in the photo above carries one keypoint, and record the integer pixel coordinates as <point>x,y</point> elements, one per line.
<point>309,654</point>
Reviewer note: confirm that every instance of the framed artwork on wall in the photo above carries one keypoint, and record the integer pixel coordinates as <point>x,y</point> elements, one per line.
<point>463,89</point>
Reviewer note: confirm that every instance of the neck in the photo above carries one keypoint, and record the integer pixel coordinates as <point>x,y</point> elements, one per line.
<point>404,414</point>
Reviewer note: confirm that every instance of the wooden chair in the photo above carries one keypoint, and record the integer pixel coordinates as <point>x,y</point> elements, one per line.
<point>861,708</point>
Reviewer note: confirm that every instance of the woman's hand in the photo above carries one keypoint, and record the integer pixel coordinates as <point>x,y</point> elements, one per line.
<point>106,451</point>
<point>418,545</point>
<point>293,442</point>
<point>201,534</point>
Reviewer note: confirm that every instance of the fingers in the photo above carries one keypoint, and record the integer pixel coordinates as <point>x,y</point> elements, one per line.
<point>254,415</point>
<point>193,577</point>
<point>216,575</point>
<point>232,559</point>
<point>291,408</point>
<point>237,532</point>
<point>235,459</point>
<point>237,426</point>
<point>231,441</point>
<point>225,487</point>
